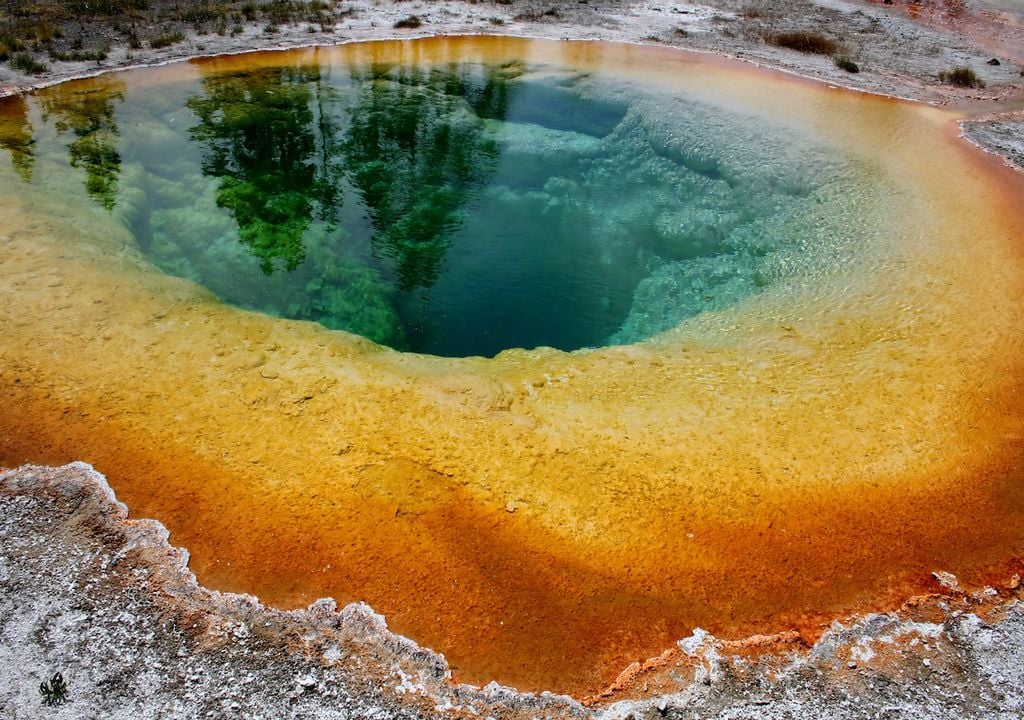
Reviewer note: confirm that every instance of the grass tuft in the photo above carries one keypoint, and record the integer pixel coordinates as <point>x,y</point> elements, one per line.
<point>961,77</point>
<point>27,63</point>
<point>413,21</point>
<point>166,39</point>
<point>805,42</point>
<point>844,62</point>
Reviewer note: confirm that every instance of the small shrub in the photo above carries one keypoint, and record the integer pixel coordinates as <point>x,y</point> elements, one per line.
<point>12,43</point>
<point>55,691</point>
<point>805,42</point>
<point>496,21</point>
<point>105,7</point>
<point>843,62</point>
<point>28,64</point>
<point>98,55</point>
<point>45,32</point>
<point>961,77</point>
<point>166,40</point>
<point>413,21</point>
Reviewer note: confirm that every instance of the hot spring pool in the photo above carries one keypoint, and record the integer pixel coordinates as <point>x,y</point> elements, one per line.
<point>551,352</point>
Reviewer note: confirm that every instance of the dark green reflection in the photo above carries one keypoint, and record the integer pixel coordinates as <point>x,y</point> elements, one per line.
<point>270,138</point>
<point>286,145</point>
<point>417,148</point>
<point>89,116</point>
<point>271,151</point>
<point>16,135</point>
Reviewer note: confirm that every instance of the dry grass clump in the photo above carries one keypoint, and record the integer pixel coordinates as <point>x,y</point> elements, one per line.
<point>413,21</point>
<point>805,42</point>
<point>27,63</point>
<point>96,55</point>
<point>166,39</point>
<point>962,77</point>
<point>845,62</point>
<point>537,15</point>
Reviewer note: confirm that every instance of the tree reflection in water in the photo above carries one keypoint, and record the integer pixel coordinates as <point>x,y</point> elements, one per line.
<point>16,136</point>
<point>89,116</point>
<point>408,145</point>
<point>417,148</point>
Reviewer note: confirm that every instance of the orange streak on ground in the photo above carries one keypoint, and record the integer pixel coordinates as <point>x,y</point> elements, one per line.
<point>768,467</point>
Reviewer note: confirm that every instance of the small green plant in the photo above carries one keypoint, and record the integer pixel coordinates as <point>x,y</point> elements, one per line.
<point>28,64</point>
<point>166,39</point>
<point>961,77</point>
<point>805,42</point>
<point>55,691</point>
<point>98,55</point>
<point>413,21</point>
<point>843,62</point>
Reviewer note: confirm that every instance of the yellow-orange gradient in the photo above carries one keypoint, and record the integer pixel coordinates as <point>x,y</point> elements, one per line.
<point>546,518</point>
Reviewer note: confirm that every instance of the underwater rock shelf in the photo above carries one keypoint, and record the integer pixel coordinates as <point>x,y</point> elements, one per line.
<point>795,310</point>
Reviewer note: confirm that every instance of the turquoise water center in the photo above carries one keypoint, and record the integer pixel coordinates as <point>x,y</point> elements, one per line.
<point>452,208</point>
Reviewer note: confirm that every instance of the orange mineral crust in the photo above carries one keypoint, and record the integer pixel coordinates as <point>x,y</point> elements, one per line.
<point>546,518</point>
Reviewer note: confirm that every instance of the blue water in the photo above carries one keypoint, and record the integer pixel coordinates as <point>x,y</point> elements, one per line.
<point>454,210</point>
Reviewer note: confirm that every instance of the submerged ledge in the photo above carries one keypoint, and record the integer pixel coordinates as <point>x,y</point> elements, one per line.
<point>107,601</point>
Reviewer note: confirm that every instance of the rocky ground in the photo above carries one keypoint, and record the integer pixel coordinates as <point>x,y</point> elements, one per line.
<point>111,606</point>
